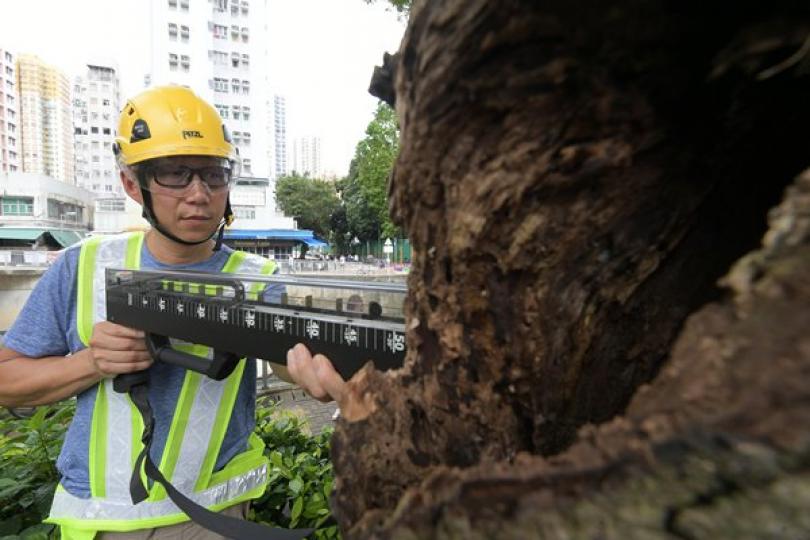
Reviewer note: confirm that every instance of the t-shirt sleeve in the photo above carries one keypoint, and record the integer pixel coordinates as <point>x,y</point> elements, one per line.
<point>42,326</point>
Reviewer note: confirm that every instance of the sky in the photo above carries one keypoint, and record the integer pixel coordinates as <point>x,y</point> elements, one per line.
<point>322,54</point>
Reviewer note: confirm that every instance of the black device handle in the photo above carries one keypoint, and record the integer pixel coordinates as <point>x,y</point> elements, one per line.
<point>126,381</point>
<point>218,368</point>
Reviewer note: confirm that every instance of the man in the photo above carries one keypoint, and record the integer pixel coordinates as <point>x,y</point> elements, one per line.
<point>176,159</point>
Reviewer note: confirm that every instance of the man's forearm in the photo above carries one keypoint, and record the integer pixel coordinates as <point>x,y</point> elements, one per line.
<point>38,381</point>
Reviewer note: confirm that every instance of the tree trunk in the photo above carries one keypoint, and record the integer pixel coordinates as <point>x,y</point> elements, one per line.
<point>575,176</point>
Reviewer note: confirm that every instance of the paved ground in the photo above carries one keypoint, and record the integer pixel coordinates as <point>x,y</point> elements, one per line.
<point>290,397</point>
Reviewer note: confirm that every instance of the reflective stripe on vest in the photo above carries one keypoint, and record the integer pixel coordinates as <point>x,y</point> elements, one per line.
<point>195,437</point>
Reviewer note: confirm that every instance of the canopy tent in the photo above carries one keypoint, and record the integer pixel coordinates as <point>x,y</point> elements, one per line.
<point>30,235</point>
<point>295,235</point>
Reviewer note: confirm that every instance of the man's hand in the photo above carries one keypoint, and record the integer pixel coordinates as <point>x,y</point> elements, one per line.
<point>116,349</point>
<point>315,375</point>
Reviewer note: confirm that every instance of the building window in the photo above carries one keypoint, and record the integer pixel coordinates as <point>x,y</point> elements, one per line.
<point>235,59</point>
<point>237,137</point>
<point>244,213</point>
<point>245,113</point>
<point>244,7</point>
<point>93,130</point>
<point>172,61</point>
<point>219,58</point>
<point>234,32</point>
<point>184,5</point>
<point>246,164</point>
<point>172,32</point>
<point>110,205</point>
<point>244,34</point>
<point>220,85</point>
<point>17,206</point>
<point>184,33</point>
<point>172,4</point>
<point>106,131</point>
<point>245,60</point>
<point>245,87</point>
<point>223,110</point>
<point>220,31</point>
<point>185,61</point>
<point>246,137</point>
<point>220,5</point>
<point>235,9</point>
<point>235,86</point>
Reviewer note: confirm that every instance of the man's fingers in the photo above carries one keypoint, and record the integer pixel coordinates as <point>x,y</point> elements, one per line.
<point>124,357</point>
<point>117,343</point>
<point>329,379</point>
<point>112,329</point>
<point>301,367</point>
<point>116,368</point>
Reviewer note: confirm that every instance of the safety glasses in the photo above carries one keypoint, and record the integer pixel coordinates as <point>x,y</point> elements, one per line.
<point>179,177</point>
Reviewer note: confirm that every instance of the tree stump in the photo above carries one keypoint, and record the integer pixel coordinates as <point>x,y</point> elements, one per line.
<point>575,177</point>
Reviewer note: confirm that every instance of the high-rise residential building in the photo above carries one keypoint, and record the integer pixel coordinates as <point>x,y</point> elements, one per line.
<point>9,114</point>
<point>218,48</point>
<point>307,155</point>
<point>46,119</point>
<point>280,135</point>
<point>96,100</point>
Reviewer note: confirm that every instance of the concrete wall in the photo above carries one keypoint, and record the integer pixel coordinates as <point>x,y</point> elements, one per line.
<point>353,301</point>
<point>15,287</point>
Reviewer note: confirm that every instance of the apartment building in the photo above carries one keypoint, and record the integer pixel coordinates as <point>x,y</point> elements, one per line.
<point>96,102</point>
<point>306,156</point>
<point>280,135</point>
<point>9,114</point>
<point>38,200</point>
<point>219,49</point>
<point>46,119</point>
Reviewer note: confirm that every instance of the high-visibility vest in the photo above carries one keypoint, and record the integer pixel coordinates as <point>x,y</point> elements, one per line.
<point>197,430</point>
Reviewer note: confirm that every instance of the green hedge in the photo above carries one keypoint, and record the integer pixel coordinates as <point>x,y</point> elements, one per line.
<point>297,495</point>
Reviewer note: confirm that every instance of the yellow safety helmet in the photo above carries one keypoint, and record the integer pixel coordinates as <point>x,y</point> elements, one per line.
<point>170,121</point>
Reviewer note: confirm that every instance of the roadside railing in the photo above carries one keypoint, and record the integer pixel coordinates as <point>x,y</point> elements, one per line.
<point>22,257</point>
<point>307,266</point>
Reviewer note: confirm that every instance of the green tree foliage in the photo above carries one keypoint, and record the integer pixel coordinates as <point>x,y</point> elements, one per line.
<point>297,494</point>
<point>301,475</point>
<point>310,201</point>
<point>28,475</point>
<point>402,6</point>
<point>339,225</point>
<point>364,191</point>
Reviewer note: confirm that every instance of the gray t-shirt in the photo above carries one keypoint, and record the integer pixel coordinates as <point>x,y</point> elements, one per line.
<point>46,326</point>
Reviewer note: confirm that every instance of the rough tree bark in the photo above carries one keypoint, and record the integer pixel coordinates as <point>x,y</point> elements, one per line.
<point>575,176</point>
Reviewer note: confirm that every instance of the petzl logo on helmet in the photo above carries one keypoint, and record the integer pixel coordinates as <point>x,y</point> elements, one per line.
<point>192,134</point>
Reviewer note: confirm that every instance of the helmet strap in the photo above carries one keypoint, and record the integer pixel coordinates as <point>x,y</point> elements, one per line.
<point>227,220</point>
<point>149,215</point>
